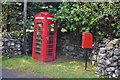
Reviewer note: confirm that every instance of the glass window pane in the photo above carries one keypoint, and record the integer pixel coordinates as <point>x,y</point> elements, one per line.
<point>38,49</point>
<point>51,33</point>
<point>39,24</point>
<point>38,41</point>
<point>37,53</point>
<point>51,29</point>
<point>51,25</point>
<point>51,38</point>
<point>39,28</point>
<point>38,45</point>
<point>39,37</point>
<point>50,54</point>
<point>50,46</point>
<point>50,50</point>
<point>38,32</point>
<point>50,42</point>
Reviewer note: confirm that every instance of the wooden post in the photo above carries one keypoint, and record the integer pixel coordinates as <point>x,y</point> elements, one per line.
<point>86,58</point>
<point>24,28</point>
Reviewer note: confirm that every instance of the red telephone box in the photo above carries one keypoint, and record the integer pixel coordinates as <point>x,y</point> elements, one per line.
<point>87,39</point>
<point>44,37</point>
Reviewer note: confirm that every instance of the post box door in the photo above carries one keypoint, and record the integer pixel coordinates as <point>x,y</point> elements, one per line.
<point>87,39</point>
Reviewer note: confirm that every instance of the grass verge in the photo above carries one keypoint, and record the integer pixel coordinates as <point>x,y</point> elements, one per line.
<point>62,67</point>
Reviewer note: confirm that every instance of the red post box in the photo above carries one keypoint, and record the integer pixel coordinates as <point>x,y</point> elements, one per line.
<point>87,39</point>
<point>44,37</point>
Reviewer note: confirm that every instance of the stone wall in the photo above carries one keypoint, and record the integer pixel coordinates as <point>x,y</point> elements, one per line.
<point>1,43</point>
<point>14,45</point>
<point>108,59</point>
<point>11,45</point>
<point>97,44</point>
<point>70,45</point>
<point>67,44</point>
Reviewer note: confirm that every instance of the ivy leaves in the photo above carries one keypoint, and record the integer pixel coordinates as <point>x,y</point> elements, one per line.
<point>90,17</point>
<point>99,18</point>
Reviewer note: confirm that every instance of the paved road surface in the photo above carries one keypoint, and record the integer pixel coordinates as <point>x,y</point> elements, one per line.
<point>11,73</point>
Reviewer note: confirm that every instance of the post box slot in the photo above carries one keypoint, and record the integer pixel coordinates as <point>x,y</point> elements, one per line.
<point>50,42</point>
<point>51,29</point>
<point>38,41</point>
<point>50,46</point>
<point>38,49</point>
<point>50,54</point>
<point>38,45</point>
<point>37,53</point>
<point>39,24</point>
<point>51,33</point>
<point>51,25</point>
<point>38,32</point>
<point>39,37</point>
<point>39,28</point>
<point>50,50</point>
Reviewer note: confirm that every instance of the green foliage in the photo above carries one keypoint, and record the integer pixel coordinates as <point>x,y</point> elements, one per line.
<point>37,7</point>
<point>98,18</point>
<point>13,14</point>
<point>16,33</point>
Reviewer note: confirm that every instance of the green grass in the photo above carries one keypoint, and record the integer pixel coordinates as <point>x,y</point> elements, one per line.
<point>62,67</point>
